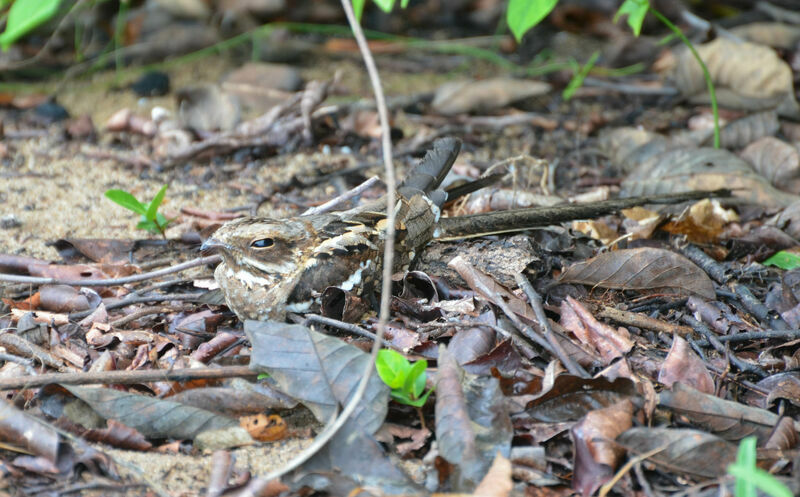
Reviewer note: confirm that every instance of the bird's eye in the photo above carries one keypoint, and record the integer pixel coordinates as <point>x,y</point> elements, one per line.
<point>263,243</point>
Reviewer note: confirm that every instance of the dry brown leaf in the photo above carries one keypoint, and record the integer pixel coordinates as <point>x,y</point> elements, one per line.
<point>703,222</point>
<point>497,482</point>
<point>741,132</point>
<point>688,451</point>
<point>746,76</point>
<point>640,222</point>
<point>597,230</point>
<point>784,436</point>
<point>489,289</point>
<point>683,365</point>
<point>682,169</point>
<point>641,268</point>
<point>608,342</point>
<point>482,96</point>
<point>772,34</point>
<point>774,159</point>
<point>596,453</point>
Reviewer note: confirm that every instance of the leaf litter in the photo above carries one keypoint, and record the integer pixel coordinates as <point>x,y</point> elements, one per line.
<point>560,391</point>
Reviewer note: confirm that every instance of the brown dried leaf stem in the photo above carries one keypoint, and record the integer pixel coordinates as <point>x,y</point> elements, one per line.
<point>538,309</point>
<point>332,203</point>
<point>640,320</point>
<point>35,280</point>
<point>126,377</point>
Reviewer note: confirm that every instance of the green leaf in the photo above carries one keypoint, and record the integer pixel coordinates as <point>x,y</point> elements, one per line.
<point>385,5</point>
<point>421,401</point>
<point>522,15</point>
<point>400,396</point>
<point>392,368</point>
<point>783,260</point>
<point>358,8</point>
<point>636,10</point>
<point>24,16</point>
<point>152,207</point>
<point>163,221</point>
<point>415,381</point>
<point>403,398</point>
<point>751,478</point>
<point>148,225</point>
<point>577,80</point>
<point>125,199</point>
<point>746,458</point>
<point>403,4</point>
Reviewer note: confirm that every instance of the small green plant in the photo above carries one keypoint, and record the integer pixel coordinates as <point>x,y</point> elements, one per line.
<point>750,478</point>
<point>406,379</point>
<point>24,16</point>
<point>152,220</point>
<point>522,15</point>
<point>580,75</point>
<point>784,260</point>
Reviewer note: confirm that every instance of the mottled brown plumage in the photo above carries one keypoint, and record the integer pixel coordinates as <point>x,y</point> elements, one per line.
<point>271,267</point>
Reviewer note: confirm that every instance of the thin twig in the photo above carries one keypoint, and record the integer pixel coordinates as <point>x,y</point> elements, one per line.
<point>142,299</point>
<point>126,377</point>
<point>644,321</point>
<point>330,204</point>
<point>388,255</point>
<point>35,280</point>
<point>147,311</point>
<point>538,309</point>
<point>627,467</point>
<point>705,331</point>
<point>747,336</point>
<point>335,323</point>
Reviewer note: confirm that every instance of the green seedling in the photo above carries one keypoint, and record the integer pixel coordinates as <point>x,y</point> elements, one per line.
<point>152,220</point>
<point>24,16</point>
<point>750,478</point>
<point>784,260</point>
<point>522,15</point>
<point>580,75</point>
<point>406,379</point>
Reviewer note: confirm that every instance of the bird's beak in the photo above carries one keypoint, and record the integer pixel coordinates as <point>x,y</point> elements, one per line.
<point>212,246</point>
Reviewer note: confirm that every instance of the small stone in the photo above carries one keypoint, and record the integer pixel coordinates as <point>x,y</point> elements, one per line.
<point>151,84</point>
<point>9,221</point>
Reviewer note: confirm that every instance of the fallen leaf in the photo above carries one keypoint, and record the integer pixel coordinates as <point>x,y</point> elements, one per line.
<point>610,343</point>
<point>641,268</point>
<point>472,423</point>
<point>596,454</point>
<point>320,371</point>
<point>497,482</point>
<point>683,365</point>
<point>152,417</point>
<point>746,76</point>
<point>691,452</point>
<point>482,96</point>
<point>571,397</point>
<point>729,420</point>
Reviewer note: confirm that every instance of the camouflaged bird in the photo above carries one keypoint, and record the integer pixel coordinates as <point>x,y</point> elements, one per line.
<point>274,266</point>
